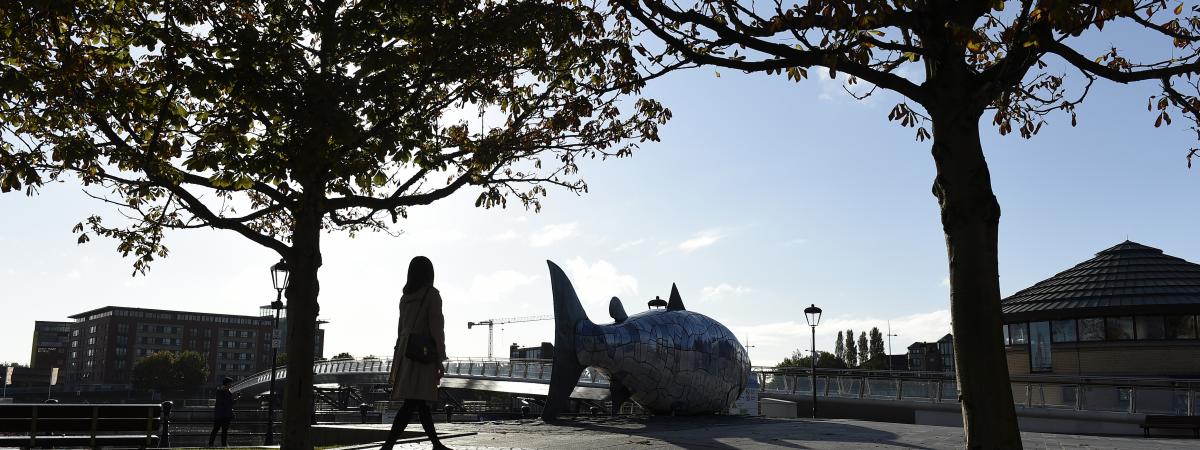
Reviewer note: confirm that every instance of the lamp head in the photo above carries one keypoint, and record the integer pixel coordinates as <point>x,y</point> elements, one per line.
<point>279,275</point>
<point>813,315</point>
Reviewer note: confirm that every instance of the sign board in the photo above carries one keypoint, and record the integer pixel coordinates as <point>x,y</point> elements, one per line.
<point>8,375</point>
<point>275,343</point>
<point>54,376</point>
<point>275,333</point>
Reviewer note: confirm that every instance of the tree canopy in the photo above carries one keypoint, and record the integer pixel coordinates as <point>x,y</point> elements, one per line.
<point>955,63</point>
<point>281,120</point>
<point>799,360</point>
<point>170,372</point>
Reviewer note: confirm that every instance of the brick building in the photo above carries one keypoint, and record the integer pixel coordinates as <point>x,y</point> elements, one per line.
<point>50,341</point>
<point>932,356</point>
<point>105,343</point>
<point>1129,311</point>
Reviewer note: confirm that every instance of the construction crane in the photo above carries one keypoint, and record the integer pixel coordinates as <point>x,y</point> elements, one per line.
<point>493,322</point>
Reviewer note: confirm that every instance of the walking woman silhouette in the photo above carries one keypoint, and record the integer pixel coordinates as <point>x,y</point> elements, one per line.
<point>414,381</point>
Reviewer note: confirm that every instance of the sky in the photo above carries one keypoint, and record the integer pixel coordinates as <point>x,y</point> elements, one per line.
<point>763,197</point>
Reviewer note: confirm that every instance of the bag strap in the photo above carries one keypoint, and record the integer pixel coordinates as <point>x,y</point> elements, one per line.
<point>421,310</point>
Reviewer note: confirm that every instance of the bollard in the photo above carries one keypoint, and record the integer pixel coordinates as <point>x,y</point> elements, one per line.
<point>449,412</point>
<point>164,438</point>
<point>524,411</point>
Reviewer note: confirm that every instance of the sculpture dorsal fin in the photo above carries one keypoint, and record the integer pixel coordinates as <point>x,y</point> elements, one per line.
<point>616,310</point>
<point>675,303</point>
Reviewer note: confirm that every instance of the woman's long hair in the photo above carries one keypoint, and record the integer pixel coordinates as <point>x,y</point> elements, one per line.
<point>420,274</point>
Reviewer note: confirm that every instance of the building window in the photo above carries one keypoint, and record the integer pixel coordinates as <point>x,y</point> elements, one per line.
<point>145,327</point>
<point>1150,327</point>
<point>91,341</point>
<point>75,332</point>
<point>1118,328</point>
<point>91,352</point>
<point>1018,333</point>
<point>92,329</point>
<point>120,364</point>
<point>122,328</point>
<point>122,340</point>
<point>74,344</point>
<point>120,352</point>
<point>1091,329</point>
<point>207,333</point>
<point>1004,330</point>
<point>74,355</point>
<point>1063,330</point>
<point>194,332</point>
<point>1180,327</point>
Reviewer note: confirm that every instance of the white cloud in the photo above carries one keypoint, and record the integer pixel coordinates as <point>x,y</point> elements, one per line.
<point>493,287</point>
<point>506,236</point>
<point>723,291</point>
<point>550,234</point>
<point>597,282</point>
<point>797,241</point>
<point>700,240</point>
<point>73,275</point>
<point>945,282</point>
<point>627,245</point>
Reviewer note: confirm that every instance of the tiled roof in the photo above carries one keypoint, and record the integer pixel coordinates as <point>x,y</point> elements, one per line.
<point>1125,275</point>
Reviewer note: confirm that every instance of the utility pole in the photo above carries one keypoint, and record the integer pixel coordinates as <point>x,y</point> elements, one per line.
<point>889,335</point>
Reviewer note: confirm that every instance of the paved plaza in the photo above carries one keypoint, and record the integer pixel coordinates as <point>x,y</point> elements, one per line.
<point>747,433</point>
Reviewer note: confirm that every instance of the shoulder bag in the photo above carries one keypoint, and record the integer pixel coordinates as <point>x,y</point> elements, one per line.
<point>421,346</point>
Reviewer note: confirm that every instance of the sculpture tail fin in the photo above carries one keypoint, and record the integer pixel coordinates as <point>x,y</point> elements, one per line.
<point>568,313</point>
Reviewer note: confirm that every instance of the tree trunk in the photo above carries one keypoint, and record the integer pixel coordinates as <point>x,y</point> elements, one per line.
<point>302,310</point>
<point>970,220</point>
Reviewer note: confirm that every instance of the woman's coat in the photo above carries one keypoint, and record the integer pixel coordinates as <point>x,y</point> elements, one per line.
<point>411,379</point>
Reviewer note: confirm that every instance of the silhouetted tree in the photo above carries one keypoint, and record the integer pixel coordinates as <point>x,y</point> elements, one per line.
<point>170,372</point>
<point>876,348</point>
<point>342,355</point>
<point>953,61</point>
<point>851,349</point>
<point>839,348</point>
<point>863,348</point>
<point>825,360</point>
<point>282,120</point>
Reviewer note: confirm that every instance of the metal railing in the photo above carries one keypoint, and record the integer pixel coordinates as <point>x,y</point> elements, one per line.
<point>1112,394</point>
<point>1109,394</point>
<point>524,370</point>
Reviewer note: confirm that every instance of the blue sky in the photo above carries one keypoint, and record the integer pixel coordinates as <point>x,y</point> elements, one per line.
<point>763,197</point>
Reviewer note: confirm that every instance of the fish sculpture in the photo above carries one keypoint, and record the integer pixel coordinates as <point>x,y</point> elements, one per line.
<point>668,360</point>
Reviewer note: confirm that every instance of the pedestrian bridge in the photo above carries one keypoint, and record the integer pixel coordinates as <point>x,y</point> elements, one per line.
<point>525,377</point>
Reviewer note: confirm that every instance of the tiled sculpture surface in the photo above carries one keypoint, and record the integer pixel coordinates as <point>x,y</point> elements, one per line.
<point>670,361</point>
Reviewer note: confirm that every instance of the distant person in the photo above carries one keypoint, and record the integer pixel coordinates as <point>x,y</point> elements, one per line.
<point>223,412</point>
<point>420,350</point>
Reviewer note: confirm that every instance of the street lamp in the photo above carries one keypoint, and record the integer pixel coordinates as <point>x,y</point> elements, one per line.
<point>279,279</point>
<point>890,335</point>
<point>812,314</point>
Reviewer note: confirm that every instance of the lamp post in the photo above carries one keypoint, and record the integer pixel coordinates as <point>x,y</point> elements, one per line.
<point>279,279</point>
<point>890,335</point>
<point>812,314</point>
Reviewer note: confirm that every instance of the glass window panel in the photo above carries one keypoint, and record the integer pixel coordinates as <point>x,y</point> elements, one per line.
<point>1064,330</point>
<point>1180,327</point>
<point>1118,328</point>
<point>1150,327</point>
<point>1091,329</point>
<point>1004,329</point>
<point>1039,346</point>
<point>1019,333</point>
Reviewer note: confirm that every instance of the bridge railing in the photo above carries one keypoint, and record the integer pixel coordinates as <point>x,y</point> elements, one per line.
<point>528,370</point>
<point>1111,394</point>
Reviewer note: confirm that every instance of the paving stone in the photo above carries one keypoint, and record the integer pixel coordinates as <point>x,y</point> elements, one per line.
<point>723,432</point>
